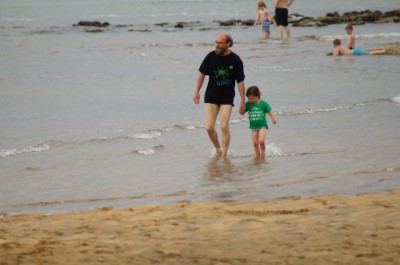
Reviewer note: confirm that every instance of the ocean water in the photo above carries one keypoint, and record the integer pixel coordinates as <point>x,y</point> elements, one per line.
<point>106,119</point>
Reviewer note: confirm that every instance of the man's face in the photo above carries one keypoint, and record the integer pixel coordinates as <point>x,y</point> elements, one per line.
<point>221,45</point>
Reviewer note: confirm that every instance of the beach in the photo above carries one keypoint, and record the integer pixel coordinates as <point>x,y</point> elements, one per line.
<point>104,158</point>
<point>95,116</point>
<point>78,132</point>
<point>359,229</point>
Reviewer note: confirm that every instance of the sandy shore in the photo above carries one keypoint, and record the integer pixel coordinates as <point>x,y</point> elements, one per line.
<point>362,229</point>
<point>394,49</point>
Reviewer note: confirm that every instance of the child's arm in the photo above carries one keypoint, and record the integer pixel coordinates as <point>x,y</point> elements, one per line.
<point>271,19</point>
<point>272,116</point>
<point>257,18</point>
<point>336,52</point>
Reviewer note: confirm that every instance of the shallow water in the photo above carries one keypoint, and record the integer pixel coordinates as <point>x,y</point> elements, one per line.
<point>89,120</point>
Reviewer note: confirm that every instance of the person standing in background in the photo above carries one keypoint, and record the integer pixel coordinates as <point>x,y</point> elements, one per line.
<point>264,17</point>
<point>351,38</point>
<point>282,16</point>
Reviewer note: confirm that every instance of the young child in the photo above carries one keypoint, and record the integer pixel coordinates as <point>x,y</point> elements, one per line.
<point>257,109</point>
<point>351,39</point>
<point>264,17</point>
<point>341,50</point>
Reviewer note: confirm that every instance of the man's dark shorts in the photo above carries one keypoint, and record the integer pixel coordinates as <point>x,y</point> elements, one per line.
<point>282,17</point>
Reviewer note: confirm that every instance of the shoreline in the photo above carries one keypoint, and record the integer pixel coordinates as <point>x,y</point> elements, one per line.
<point>357,229</point>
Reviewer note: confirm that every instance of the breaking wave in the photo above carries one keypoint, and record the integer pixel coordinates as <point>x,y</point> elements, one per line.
<point>155,133</point>
<point>24,150</point>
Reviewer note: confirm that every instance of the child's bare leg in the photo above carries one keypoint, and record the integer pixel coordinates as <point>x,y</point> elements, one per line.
<point>378,52</point>
<point>261,140</point>
<point>254,136</point>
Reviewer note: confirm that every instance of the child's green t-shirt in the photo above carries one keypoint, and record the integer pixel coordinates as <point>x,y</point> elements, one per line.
<point>257,114</point>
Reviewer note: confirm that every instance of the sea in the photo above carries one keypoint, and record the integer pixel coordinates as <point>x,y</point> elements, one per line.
<point>96,117</point>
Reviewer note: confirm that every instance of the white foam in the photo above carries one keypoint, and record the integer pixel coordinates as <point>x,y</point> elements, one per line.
<point>143,152</point>
<point>152,135</point>
<point>273,150</point>
<point>396,99</point>
<point>24,150</point>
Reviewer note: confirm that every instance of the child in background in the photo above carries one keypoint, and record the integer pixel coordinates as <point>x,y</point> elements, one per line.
<point>257,109</point>
<point>264,17</point>
<point>351,39</point>
<point>341,50</point>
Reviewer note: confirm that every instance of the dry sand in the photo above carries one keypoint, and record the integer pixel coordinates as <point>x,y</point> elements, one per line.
<point>361,229</point>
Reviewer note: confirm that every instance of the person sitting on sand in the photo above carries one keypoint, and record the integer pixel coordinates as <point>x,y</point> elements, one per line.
<point>341,50</point>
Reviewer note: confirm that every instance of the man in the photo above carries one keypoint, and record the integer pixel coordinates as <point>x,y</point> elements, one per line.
<point>341,50</point>
<point>224,68</point>
<point>282,16</point>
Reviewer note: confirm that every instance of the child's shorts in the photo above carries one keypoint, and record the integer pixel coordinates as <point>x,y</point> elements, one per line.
<point>256,130</point>
<point>265,25</point>
<point>358,51</point>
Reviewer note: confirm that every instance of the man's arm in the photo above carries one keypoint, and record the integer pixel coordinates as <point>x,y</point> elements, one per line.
<point>199,84</point>
<point>242,97</point>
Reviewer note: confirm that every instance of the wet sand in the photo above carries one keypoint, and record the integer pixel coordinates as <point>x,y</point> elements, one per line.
<point>361,229</point>
<point>394,49</point>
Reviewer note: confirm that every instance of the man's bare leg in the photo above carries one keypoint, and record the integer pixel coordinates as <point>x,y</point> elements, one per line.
<point>280,29</point>
<point>287,29</point>
<point>211,113</point>
<point>225,118</point>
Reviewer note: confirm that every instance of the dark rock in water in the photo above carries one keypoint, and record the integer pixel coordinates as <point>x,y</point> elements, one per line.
<point>249,22</point>
<point>180,25</point>
<point>92,24</point>
<point>354,17</point>
<point>161,24</point>
<point>231,22</point>
<point>296,20</point>
<point>334,14</point>
<point>393,13</point>
<point>329,20</point>
<point>95,30</point>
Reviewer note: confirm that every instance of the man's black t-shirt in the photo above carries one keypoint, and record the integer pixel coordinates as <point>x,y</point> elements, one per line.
<point>223,71</point>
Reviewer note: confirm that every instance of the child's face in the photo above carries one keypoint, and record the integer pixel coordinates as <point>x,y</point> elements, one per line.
<point>253,99</point>
<point>349,31</point>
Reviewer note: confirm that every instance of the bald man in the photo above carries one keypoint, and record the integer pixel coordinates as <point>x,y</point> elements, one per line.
<point>224,69</point>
